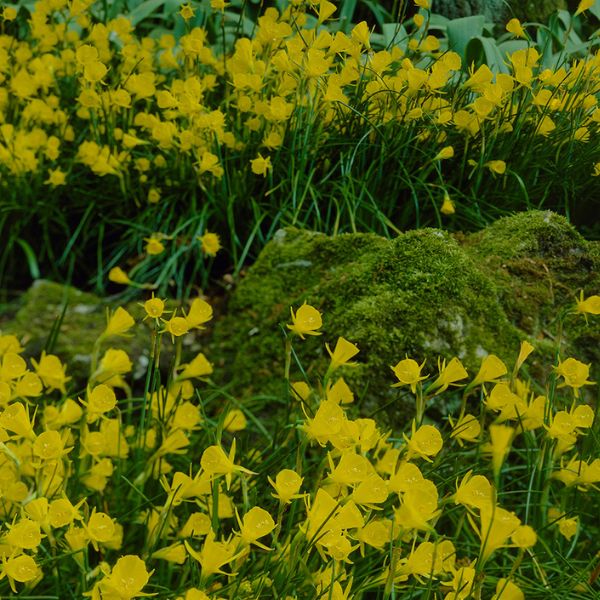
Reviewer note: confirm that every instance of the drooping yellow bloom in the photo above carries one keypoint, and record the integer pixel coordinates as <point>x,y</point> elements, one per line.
<point>408,372</point>
<point>176,326</point>
<point>154,245</point>
<point>490,370</point>
<point>507,590</point>
<point>514,26</point>
<point>127,578</point>
<point>256,523</point>
<point>214,555</point>
<point>119,323</point>
<point>574,373</point>
<point>496,166</point>
<point>117,275</point>
<point>475,491</point>
<point>424,442</point>
<point>235,420</point>
<point>588,306</point>
<point>215,462</point>
<point>305,321</point>
<point>497,525</point>
<point>584,5</point>
<point>51,371</point>
<point>210,243</point>
<point>186,12</point>
<point>447,207</point>
<point>525,350</point>
<point>200,312</point>
<point>261,165</point>
<point>342,353</point>
<point>154,307</point>
<point>287,485</point>
<point>449,374</point>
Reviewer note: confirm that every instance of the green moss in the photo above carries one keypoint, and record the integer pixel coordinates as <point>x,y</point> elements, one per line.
<point>419,294</point>
<point>539,262</point>
<point>423,294</point>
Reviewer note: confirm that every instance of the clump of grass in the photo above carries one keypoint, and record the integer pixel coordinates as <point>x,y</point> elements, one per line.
<point>178,490</point>
<point>109,136</point>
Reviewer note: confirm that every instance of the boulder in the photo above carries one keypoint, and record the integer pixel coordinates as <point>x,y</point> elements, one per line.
<point>423,294</point>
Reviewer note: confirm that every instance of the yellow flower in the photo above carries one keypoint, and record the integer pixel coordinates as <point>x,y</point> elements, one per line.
<point>449,374</point>
<point>51,371</point>
<point>467,428</point>
<point>501,437</point>
<point>507,590</point>
<point>20,568</point>
<point>176,326</point>
<point>496,166</point>
<point>326,9</point>
<point>9,13</point>
<point>524,537</point>
<point>49,445</point>
<point>154,245</point>
<point>574,373</point>
<point>525,350</point>
<point>491,368</point>
<point>213,556</point>
<point>497,525</point>
<point>235,420</point>
<point>24,534</point>
<point>117,275</point>
<point>447,207</point>
<point>257,523</point>
<point>422,3</point>
<point>210,243</point>
<point>186,12</point>
<point>475,491</point>
<point>153,196</point>
<point>568,527</point>
<point>425,442</point>
<point>127,578</point>
<point>56,177</point>
<point>588,306</point>
<point>214,461</point>
<point>100,527</point>
<point>343,352</point>
<point>514,26</point>
<point>155,308</point>
<point>584,5</point>
<point>219,5</point>
<point>445,153</point>
<point>261,165</point>
<point>200,312</point>
<point>287,485</point>
<point>305,321</point>
<point>119,323</point>
<point>199,367</point>
<point>408,372</point>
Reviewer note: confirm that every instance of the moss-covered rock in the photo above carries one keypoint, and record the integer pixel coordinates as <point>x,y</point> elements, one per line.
<point>539,263</point>
<point>422,294</point>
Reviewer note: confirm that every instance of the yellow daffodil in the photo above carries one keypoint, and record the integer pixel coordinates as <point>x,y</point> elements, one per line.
<point>305,321</point>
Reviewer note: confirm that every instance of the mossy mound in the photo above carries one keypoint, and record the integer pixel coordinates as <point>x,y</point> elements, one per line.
<point>423,294</point>
<point>539,263</point>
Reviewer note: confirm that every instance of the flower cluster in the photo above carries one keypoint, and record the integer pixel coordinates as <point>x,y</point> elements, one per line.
<point>178,491</point>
